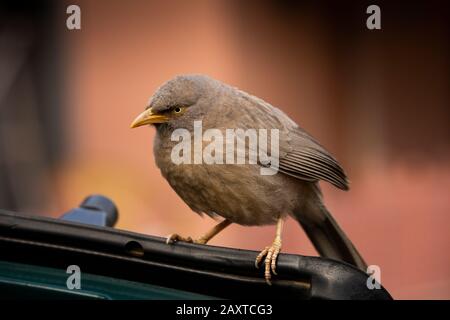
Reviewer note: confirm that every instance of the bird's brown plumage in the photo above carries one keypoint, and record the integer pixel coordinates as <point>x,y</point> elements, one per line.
<point>240,193</point>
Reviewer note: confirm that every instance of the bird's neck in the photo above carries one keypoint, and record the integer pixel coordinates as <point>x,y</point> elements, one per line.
<point>163,129</point>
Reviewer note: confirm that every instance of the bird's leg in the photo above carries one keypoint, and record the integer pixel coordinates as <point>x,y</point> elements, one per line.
<point>271,254</point>
<point>203,239</point>
<point>211,233</point>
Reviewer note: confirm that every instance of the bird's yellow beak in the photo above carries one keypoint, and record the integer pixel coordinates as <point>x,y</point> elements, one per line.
<point>148,117</point>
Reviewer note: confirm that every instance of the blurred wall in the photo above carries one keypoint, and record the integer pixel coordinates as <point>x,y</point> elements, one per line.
<point>378,100</point>
<point>31,84</point>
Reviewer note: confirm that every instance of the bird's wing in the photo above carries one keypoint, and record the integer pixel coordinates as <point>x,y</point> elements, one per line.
<point>308,160</point>
<point>301,156</point>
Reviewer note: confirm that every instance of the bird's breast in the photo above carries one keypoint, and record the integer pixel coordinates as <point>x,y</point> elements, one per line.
<point>237,192</point>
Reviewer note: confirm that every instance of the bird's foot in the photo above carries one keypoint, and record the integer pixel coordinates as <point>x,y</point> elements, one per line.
<point>271,254</point>
<point>174,237</point>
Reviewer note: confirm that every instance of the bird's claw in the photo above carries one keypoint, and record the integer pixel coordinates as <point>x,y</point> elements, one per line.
<point>271,254</point>
<point>174,237</point>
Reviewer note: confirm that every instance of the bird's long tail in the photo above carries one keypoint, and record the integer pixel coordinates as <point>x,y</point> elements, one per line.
<point>327,237</point>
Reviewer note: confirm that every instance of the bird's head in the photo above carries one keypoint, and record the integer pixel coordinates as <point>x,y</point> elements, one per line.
<point>177,100</point>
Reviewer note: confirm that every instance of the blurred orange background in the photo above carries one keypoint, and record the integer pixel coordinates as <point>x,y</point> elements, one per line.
<point>378,100</point>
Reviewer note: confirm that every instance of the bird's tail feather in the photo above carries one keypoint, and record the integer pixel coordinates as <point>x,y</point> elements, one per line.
<point>328,238</point>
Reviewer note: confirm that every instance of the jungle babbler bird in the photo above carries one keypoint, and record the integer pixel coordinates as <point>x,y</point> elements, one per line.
<point>239,192</point>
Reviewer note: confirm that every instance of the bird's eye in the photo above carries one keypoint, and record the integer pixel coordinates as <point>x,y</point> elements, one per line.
<point>177,110</point>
